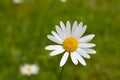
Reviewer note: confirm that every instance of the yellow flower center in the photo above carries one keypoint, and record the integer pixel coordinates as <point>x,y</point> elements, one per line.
<point>70,44</point>
<point>29,69</point>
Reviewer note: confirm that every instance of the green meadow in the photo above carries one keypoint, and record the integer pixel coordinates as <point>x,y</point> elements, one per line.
<point>23,37</point>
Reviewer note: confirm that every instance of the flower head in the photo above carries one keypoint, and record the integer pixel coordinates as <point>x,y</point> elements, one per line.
<point>63,1</point>
<point>70,42</point>
<point>18,1</point>
<point>28,69</point>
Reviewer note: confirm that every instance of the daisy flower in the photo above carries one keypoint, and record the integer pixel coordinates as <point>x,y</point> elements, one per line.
<point>63,1</point>
<point>28,69</point>
<point>18,1</point>
<point>70,42</point>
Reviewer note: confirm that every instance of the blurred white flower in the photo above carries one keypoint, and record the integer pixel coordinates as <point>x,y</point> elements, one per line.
<point>71,43</point>
<point>18,1</point>
<point>28,69</point>
<point>63,1</point>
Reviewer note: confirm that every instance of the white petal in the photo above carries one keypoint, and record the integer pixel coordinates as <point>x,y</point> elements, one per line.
<point>23,70</point>
<point>81,60</point>
<point>74,28</point>
<point>35,69</point>
<point>83,53</point>
<point>53,47</point>
<point>64,59</point>
<point>78,31</point>
<point>60,32</point>
<point>56,52</point>
<point>80,25</point>
<point>62,25</point>
<point>68,28</point>
<point>87,38</point>
<point>86,45</point>
<point>82,31</point>
<point>74,57</point>
<point>52,38</point>
<point>90,51</point>
<point>63,28</point>
<point>57,36</point>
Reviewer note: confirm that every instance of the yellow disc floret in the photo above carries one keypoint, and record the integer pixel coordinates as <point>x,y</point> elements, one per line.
<point>29,69</point>
<point>70,44</point>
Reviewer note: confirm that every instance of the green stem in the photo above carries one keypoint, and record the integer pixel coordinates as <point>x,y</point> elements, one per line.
<point>61,73</point>
<point>28,78</point>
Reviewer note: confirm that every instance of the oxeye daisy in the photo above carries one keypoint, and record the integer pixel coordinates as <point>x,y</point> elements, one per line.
<point>28,69</point>
<point>18,1</point>
<point>70,42</point>
<point>63,1</point>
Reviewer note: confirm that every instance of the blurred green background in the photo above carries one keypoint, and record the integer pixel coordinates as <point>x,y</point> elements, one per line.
<point>23,31</point>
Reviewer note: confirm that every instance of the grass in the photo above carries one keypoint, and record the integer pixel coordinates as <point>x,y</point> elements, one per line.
<point>23,31</point>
